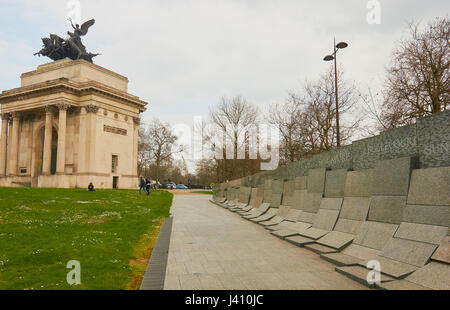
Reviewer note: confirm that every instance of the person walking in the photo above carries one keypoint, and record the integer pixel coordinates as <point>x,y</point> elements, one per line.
<point>148,185</point>
<point>142,185</point>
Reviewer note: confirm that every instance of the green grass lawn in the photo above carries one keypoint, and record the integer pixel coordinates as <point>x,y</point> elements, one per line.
<point>41,230</point>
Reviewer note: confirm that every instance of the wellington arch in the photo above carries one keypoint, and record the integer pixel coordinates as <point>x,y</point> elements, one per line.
<point>70,123</point>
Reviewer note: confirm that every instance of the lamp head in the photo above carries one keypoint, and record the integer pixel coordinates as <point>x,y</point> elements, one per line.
<point>342,45</point>
<point>329,58</point>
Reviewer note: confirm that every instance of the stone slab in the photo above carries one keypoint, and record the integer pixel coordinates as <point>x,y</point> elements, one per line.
<point>360,252</point>
<point>298,200</point>
<point>299,240</point>
<point>375,235</point>
<point>283,225</point>
<point>288,189</point>
<point>312,202</point>
<point>283,210</point>
<point>276,200</point>
<point>391,177</point>
<point>335,239</point>
<point>408,251</point>
<point>277,186</point>
<point>320,249</point>
<point>314,233</point>
<point>431,215</point>
<point>307,217</point>
<point>326,219</point>
<point>358,183</point>
<point>331,203</point>
<point>316,181</point>
<point>335,183</point>
<point>401,285</point>
<point>442,254</point>
<point>293,215</point>
<point>273,221</point>
<point>359,274</point>
<point>300,183</point>
<point>423,233</point>
<point>355,208</point>
<point>435,275</point>
<point>387,209</point>
<point>340,259</point>
<point>392,268</point>
<point>294,229</point>
<point>266,216</point>
<point>267,195</point>
<point>430,187</point>
<point>348,226</point>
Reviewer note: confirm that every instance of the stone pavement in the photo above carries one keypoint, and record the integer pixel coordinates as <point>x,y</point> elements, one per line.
<point>213,248</point>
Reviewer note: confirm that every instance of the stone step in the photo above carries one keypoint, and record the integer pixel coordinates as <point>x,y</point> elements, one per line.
<point>340,259</point>
<point>299,240</point>
<point>320,249</point>
<point>359,274</point>
<point>401,285</point>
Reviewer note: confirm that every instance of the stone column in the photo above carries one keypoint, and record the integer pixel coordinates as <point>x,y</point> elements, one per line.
<point>137,122</point>
<point>12,168</point>
<point>47,157</point>
<point>91,134</point>
<point>61,161</point>
<point>3,140</point>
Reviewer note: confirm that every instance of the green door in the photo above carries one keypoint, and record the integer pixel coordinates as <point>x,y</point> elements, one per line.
<point>54,157</point>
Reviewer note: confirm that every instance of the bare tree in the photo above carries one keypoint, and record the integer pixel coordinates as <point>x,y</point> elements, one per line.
<point>157,146</point>
<point>319,113</point>
<point>418,78</point>
<point>233,117</point>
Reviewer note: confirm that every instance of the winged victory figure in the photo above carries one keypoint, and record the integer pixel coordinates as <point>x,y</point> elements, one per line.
<point>57,48</point>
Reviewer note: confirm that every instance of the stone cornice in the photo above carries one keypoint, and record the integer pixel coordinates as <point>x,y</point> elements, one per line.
<point>69,63</point>
<point>78,89</point>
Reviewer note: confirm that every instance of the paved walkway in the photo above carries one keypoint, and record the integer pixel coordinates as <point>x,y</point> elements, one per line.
<point>213,248</point>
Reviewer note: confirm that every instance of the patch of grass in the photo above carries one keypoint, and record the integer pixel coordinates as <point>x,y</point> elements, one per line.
<point>43,229</point>
<point>203,192</point>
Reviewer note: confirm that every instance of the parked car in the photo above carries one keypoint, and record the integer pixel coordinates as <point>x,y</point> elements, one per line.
<point>170,185</point>
<point>182,186</point>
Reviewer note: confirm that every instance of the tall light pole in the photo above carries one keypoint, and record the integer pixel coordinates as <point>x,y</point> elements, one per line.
<point>333,56</point>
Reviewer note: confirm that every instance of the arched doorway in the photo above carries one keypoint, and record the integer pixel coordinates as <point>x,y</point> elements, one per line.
<point>39,151</point>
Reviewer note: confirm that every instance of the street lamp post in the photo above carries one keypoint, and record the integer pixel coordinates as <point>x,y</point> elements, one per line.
<point>333,56</point>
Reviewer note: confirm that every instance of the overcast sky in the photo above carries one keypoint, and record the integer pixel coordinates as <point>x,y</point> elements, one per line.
<point>181,56</point>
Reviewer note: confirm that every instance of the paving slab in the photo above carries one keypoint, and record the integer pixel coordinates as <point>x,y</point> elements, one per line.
<point>434,275</point>
<point>423,233</point>
<point>359,274</point>
<point>391,177</point>
<point>293,215</point>
<point>288,189</point>
<point>273,221</point>
<point>360,252</point>
<point>299,240</point>
<point>335,183</point>
<point>316,181</point>
<point>348,226</point>
<point>375,235</point>
<point>336,239</point>
<point>408,251</point>
<point>307,217</point>
<point>212,248</point>
<point>355,208</point>
<point>331,203</point>
<point>276,200</point>
<point>393,268</point>
<point>326,219</point>
<point>401,285</point>
<point>266,216</point>
<point>358,183</point>
<point>387,209</point>
<point>277,186</point>
<point>314,233</point>
<point>442,254</point>
<point>267,196</point>
<point>430,186</point>
<point>340,259</point>
<point>312,202</point>
<point>320,249</point>
<point>431,215</point>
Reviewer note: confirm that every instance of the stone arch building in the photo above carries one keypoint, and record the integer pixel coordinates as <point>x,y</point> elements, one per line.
<point>70,123</point>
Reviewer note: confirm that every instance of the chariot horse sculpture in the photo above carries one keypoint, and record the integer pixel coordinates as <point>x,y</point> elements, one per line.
<point>57,48</point>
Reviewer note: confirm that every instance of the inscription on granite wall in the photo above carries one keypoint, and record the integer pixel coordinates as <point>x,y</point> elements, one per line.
<point>115,130</point>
